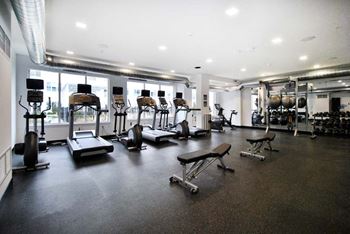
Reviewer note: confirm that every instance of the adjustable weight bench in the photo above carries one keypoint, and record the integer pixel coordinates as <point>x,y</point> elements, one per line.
<point>199,161</point>
<point>257,144</point>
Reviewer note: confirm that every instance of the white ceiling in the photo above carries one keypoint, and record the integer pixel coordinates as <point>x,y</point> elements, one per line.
<point>194,30</point>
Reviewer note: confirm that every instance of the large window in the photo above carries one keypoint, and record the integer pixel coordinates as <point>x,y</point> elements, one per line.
<point>59,86</point>
<point>134,90</point>
<point>50,90</point>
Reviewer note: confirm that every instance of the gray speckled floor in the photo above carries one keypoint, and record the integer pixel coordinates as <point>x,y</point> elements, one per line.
<point>305,188</point>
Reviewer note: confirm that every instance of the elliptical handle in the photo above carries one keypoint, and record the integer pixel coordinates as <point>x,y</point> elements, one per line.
<point>127,107</point>
<point>48,106</point>
<point>20,103</point>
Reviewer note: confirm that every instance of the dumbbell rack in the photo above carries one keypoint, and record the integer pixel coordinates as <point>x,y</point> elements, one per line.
<point>322,125</point>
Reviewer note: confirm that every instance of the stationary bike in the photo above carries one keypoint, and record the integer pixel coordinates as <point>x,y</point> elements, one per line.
<point>132,139</point>
<point>221,121</point>
<point>32,143</point>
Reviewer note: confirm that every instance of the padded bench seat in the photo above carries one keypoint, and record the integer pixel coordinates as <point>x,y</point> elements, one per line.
<point>195,156</point>
<point>199,161</point>
<point>267,137</point>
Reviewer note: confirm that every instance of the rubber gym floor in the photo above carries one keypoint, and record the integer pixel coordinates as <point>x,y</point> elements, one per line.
<point>304,188</point>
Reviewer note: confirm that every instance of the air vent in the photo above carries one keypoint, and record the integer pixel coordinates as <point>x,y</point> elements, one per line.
<point>322,96</point>
<point>4,42</point>
<point>309,38</point>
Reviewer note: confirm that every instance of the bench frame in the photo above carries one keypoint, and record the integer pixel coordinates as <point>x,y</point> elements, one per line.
<point>255,149</point>
<point>195,169</point>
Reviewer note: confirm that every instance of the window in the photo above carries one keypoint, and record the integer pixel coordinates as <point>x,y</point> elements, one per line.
<point>59,86</point>
<point>50,90</point>
<point>69,84</point>
<point>169,96</point>
<point>134,90</point>
<point>99,86</point>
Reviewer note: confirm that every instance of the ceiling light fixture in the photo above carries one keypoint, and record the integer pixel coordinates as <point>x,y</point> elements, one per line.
<point>70,52</point>
<point>165,76</point>
<point>277,40</point>
<point>132,64</point>
<point>316,66</point>
<point>68,61</point>
<point>172,71</point>
<point>209,60</point>
<point>243,69</point>
<point>339,81</point>
<point>343,84</point>
<point>162,48</point>
<point>303,58</point>
<point>80,25</point>
<point>126,70</point>
<point>232,11</point>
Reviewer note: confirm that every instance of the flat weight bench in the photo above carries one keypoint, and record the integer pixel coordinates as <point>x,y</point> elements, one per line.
<point>256,145</point>
<point>200,160</point>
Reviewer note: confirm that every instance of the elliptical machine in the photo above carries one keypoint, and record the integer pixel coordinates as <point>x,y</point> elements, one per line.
<point>181,129</point>
<point>132,139</point>
<point>221,121</point>
<point>32,142</point>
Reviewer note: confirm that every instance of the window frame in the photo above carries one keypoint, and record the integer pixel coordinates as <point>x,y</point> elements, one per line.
<point>160,84</point>
<point>60,122</point>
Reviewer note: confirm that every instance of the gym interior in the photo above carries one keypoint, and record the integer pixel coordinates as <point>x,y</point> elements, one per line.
<point>175,116</point>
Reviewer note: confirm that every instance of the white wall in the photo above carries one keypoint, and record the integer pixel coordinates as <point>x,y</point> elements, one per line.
<point>231,101</point>
<point>5,104</point>
<point>246,107</point>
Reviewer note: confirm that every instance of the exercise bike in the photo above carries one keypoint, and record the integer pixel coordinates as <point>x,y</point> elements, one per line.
<point>132,139</point>
<point>220,122</point>
<point>32,142</point>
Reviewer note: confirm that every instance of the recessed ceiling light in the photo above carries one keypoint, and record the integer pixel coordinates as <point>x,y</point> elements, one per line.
<point>339,81</point>
<point>162,47</point>
<point>303,58</point>
<point>132,64</point>
<point>165,76</point>
<point>343,84</point>
<point>70,52</point>
<point>316,66</point>
<point>126,70</point>
<point>80,25</point>
<point>172,71</point>
<point>277,40</point>
<point>49,59</point>
<point>232,11</point>
<point>68,61</point>
<point>243,69</point>
<point>209,60</point>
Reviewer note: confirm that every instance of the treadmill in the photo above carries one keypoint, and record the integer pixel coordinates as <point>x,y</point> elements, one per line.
<point>181,105</point>
<point>86,142</point>
<point>145,102</point>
